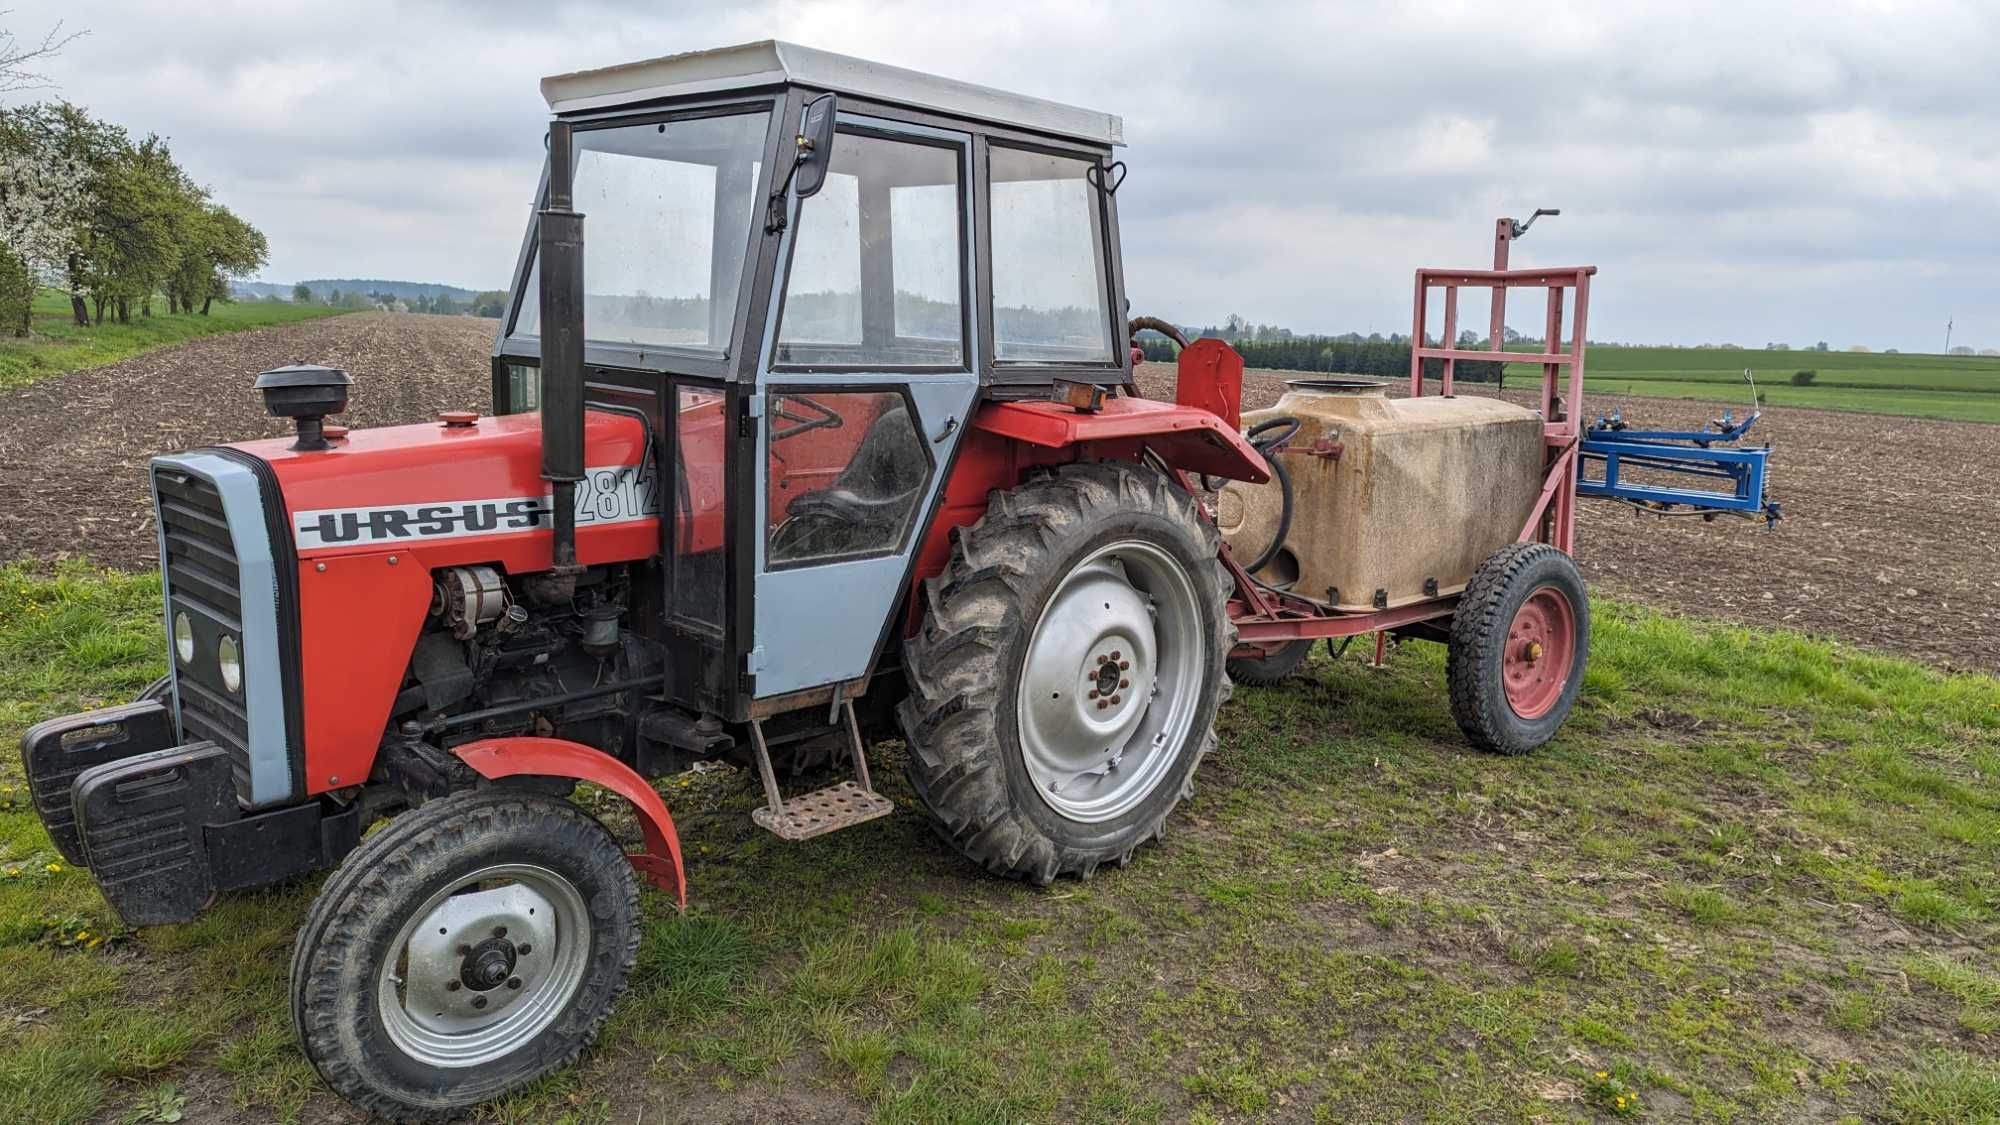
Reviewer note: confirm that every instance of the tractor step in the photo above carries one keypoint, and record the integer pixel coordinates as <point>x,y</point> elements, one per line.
<point>822,811</point>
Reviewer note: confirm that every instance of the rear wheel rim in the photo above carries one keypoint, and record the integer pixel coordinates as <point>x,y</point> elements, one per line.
<point>1111,681</point>
<point>1541,644</point>
<point>484,966</point>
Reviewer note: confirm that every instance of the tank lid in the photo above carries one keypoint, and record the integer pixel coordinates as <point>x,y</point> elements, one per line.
<point>1338,385</point>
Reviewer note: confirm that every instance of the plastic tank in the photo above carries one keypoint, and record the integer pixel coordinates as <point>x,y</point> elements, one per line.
<point>1393,500</point>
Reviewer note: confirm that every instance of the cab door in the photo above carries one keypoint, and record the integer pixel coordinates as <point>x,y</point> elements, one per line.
<point>866,381</point>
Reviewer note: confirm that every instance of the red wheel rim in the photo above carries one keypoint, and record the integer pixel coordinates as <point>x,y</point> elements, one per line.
<point>1541,642</point>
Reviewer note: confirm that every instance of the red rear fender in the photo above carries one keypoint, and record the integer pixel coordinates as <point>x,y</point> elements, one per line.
<point>1186,437</point>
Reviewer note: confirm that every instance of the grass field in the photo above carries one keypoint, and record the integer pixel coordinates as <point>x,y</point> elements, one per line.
<point>1964,388</point>
<point>1754,880</point>
<point>57,345</point>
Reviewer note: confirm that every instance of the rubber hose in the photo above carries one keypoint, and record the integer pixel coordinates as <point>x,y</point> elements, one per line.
<point>1288,427</point>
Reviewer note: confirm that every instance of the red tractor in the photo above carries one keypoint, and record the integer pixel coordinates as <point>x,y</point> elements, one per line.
<point>831,433</point>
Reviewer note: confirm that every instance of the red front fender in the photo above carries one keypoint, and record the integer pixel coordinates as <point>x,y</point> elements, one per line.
<point>660,863</point>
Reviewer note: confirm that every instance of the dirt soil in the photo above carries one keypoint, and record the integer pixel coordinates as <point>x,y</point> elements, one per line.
<point>1891,541</point>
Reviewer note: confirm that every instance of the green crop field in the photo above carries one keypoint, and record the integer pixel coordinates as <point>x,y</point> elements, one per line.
<point>57,345</point>
<point>1965,388</point>
<point>1754,879</point>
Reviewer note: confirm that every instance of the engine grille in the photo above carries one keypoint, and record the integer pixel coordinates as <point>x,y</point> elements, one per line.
<point>203,582</point>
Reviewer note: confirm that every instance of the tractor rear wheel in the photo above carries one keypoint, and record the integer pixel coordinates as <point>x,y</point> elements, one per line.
<point>1065,683</point>
<point>465,949</point>
<point>1519,641</point>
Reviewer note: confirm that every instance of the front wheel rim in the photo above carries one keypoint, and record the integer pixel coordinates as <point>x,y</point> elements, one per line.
<point>1111,681</point>
<point>1541,644</point>
<point>484,966</point>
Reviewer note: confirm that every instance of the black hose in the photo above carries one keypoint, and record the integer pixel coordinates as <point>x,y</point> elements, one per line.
<point>1288,427</point>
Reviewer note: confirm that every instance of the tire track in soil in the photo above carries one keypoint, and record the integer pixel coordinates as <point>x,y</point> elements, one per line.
<point>1891,543</point>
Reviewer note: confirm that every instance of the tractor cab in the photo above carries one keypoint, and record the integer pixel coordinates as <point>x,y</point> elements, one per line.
<point>806,271</point>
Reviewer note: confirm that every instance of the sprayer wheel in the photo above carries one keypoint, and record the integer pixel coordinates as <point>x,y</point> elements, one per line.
<point>1272,668</point>
<point>1519,641</point>
<point>1065,683</point>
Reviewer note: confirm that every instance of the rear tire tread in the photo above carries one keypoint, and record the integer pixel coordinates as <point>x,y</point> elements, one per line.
<point>951,716</point>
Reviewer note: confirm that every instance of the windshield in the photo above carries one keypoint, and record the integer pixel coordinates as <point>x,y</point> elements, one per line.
<point>667,220</point>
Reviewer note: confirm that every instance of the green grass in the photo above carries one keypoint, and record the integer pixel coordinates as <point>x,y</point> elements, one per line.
<point>1965,388</point>
<point>56,344</point>
<point>1783,912</point>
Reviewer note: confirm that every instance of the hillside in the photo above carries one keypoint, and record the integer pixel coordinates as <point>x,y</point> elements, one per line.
<point>322,285</point>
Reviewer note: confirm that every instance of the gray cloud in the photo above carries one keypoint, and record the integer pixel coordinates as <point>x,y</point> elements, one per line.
<point>1739,171</point>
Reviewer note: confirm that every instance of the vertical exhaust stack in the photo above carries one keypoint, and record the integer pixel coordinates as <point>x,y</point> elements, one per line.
<point>561,256</point>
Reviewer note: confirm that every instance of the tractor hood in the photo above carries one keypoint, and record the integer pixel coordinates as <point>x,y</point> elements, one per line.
<point>465,489</point>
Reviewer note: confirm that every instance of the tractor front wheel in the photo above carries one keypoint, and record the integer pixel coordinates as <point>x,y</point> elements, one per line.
<point>1065,683</point>
<point>465,949</point>
<point>1519,641</point>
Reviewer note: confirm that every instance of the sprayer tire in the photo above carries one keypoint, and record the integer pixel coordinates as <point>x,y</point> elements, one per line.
<point>1484,625</point>
<point>1273,668</point>
<point>969,759</point>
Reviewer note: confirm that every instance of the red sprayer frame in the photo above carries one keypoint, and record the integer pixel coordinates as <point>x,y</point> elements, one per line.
<point>1266,617</point>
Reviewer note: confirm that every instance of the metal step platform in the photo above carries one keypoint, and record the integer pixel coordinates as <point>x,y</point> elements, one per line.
<point>843,805</point>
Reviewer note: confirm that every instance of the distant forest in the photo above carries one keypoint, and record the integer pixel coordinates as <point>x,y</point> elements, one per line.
<point>1376,355</point>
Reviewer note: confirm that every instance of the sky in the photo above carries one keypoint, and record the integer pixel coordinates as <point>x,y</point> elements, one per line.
<point>1740,172</point>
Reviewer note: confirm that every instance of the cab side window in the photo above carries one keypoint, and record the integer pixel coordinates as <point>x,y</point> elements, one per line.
<point>1049,288</point>
<point>876,272</point>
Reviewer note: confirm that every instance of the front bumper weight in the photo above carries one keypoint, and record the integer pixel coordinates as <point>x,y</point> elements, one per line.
<point>143,820</point>
<point>54,753</point>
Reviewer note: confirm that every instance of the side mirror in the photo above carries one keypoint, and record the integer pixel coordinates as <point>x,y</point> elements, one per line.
<point>815,143</point>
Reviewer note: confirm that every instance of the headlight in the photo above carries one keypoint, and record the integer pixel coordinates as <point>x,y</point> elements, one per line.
<point>230,658</point>
<point>183,638</point>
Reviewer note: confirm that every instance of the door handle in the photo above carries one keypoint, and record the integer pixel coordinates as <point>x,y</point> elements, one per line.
<point>950,427</point>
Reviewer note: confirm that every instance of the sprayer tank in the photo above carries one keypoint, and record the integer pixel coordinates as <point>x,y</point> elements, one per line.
<point>1394,500</point>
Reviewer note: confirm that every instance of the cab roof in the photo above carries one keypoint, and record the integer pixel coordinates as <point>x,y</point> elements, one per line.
<point>772,62</point>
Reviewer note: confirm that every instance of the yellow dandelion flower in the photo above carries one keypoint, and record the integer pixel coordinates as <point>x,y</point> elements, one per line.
<point>83,935</point>
<point>1603,1074</point>
<point>13,873</point>
<point>54,869</point>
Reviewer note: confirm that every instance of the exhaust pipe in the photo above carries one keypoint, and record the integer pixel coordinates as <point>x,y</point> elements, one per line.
<point>561,256</point>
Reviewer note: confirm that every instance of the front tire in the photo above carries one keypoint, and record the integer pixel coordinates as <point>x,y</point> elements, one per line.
<point>467,948</point>
<point>1519,641</point>
<point>1065,683</point>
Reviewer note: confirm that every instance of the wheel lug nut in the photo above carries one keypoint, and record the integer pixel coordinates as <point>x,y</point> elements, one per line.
<point>513,982</point>
<point>479,1001</point>
<point>1115,656</point>
<point>1101,705</point>
<point>465,951</point>
<point>499,931</point>
<point>524,948</point>
<point>1124,683</point>
<point>451,986</point>
<point>1093,693</point>
<point>1124,665</point>
<point>1114,699</point>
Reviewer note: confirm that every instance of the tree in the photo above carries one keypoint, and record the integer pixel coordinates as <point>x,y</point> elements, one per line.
<point>1820,347</point>
<point>16,57</point>
<point>219,246</point>
<point>302,294</point>
<point>44,198</point>
<point>443,305</point>
<point>491,304</point>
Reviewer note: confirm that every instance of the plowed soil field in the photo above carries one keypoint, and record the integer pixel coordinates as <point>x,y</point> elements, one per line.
<point>1892,540</point>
